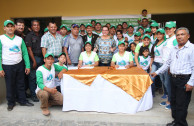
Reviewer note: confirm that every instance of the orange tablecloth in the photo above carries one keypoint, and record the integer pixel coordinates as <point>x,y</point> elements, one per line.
<point>133,81</point>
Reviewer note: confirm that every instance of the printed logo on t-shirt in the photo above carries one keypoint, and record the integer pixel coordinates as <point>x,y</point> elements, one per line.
<point>50,77</point>
<point>122,63</point>
<point>157,53</point>
<point>89,63</point>
<point>145,63</point>
<point>131,40</point>
<point>15,48</point>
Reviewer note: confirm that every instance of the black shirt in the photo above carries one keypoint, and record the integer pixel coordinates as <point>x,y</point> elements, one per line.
<point>34,41</point>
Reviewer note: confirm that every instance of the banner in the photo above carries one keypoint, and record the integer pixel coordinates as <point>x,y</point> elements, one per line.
<point>103,19</point>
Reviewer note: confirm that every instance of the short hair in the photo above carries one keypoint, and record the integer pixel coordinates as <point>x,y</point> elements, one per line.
<point>183,28</point>
<point>119,31</point>
<point>34,21</point>
<point>82,25</point>
<point>105,27</point>
<point>52,22</point>
<point>107,23</point>
<point>133,43</point>
<point>145,49</point>
<point>19,21</point>
<point>124,23</point>
<point>119,25</point>
<point>144,10</point>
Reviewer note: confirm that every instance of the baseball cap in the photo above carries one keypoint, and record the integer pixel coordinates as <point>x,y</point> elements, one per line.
<point>75,25</point>
<point>88,25</point>
<point>46,29</point>
<point>131,26</point>
<point>140,27</point>
<point>170,24</point>
<point>154,24</point>
<point>121,42</point>
<point>147,30</point>
<point>48,54</point>
<point>8,22</point>
<point>88,42</point>
<point>98,23</point>
<point>62,54</point>
<point>113,26</point>
<point>63,25</point>
<point>161,30</point>
<point>137,34</point>
<point>146,36</point>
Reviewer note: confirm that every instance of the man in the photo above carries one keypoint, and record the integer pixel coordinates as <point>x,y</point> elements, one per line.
<point>19,28</point>
<point>90,36</point>
<point>113,32</point>
<point>82,30</point>
<point>129,36</point>
<point>74,46</point>
<point>33,41</point>
<point>125,26</point>
<point>98,27</point>
<point>12,51</point>
<point>143,15</point>
<point>145,23</point>
<point>148,31</point>
<point>181,64</point>
<point>52,42</point>
<point>63,31</point>
<point>93,22</point>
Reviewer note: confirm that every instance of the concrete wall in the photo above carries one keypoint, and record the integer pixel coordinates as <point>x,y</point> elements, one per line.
<point>46,8</point>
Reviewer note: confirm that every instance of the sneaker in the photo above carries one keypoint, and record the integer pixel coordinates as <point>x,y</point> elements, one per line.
<point>168,107</point>
<point>164,96</point>
<point>163,104</point>
<point>46,112</point>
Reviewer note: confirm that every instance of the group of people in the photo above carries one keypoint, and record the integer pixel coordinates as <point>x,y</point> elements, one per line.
<point>166,52</point>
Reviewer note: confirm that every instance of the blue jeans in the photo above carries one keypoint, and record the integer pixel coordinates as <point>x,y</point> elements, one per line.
<point>32,75</point>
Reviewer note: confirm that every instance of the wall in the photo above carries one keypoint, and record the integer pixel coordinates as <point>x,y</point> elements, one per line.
<point>44,8</point>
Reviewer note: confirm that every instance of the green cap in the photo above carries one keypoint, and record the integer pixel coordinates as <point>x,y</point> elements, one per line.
<point>153,21</point>
<point>146,36</point>
<point>63,25</point>
<point>8,22</point>
<point>140,27</point>
<point>131,26</point>
<point>62,54</point>
<point>154,24</point>
<point>98,23</point>
<point>48,54</point>
<point>113,26</point>
<point>46,29</point>
<point>68,29</point>
<point>170,24</point>
<point>147,30</point>
<point>88,25</point>
<point>121,42</point>
<point>93,20</point>
<point>137,34</point>
<point>88,42</point>
<point>161,30</point>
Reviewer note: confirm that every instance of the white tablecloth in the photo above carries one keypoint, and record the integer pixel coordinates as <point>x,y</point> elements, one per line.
<point>101,96</point>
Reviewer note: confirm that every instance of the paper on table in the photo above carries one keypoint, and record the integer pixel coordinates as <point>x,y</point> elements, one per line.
<point>121,68</point>
<point>72,68</point>
<point>91,67</point>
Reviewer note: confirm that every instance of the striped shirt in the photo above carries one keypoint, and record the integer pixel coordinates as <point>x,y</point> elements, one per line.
<point>181,61</point>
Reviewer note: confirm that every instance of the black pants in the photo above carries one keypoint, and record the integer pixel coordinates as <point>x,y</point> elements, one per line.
<point>14,79</point>
<point>180,100</point>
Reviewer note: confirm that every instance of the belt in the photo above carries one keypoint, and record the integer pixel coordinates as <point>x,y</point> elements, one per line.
<point>180,75</point>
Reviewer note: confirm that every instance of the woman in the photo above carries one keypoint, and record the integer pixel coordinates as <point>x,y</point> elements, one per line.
<point>120,38</point>
<point>141,30</point>
<point>88,58</point>
<point>154,27</point>
<point>105,45</point>
<point>132,47</point>
<point>123,59</point>
<point>146,43</point>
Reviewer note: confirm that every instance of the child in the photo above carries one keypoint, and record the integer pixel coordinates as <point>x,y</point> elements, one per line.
<point>144,61</point>
<point>132,47</point>
<point>46,90</point>
<point>62,61</point>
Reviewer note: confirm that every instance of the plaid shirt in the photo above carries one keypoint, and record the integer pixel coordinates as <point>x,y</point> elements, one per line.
<point>52,44</point>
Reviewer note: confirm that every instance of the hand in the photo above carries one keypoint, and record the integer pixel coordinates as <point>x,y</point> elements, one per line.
<point>53,90</point>
<point>111,49</point>
<point>128,66</point>
<point>60,75</point>
<point>79,66</point>
<point>153,74</point>
<point>116,66</point>
<point>138,66</point>
<point>27,71</point>
<point>34,65</point>
<point>150,68</point>
<point>188,87</point>
<point>2,73</point>
<point>69,61</point>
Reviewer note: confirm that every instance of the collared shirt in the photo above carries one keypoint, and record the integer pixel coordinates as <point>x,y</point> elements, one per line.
<point>33,41</point>
<point>74,47</point>
<point>181,61</point>
<point>52,44</point>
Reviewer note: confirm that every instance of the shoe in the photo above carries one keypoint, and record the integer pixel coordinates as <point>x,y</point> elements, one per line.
<point>10,107</point>
<point>46,112</point>
<point>171,124</point>
<point>28,95</point>
<point>34,99</point>
<point>168,107</point>
<point>26,104</point>
<point>164,96</point>
<point>163,104</point>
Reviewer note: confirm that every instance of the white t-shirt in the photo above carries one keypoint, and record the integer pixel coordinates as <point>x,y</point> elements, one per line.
<point>158,52</point>
<point>144,62</point>
<point>122,60</point>
<point>130,38</point>
<point>88,60</point>
<point>57,81</point>
<point>94,32</point>
<point>153,40</point>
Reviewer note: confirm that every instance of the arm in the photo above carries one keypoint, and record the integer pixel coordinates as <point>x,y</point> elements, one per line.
<point>80,63</point>
<point>32,57</point>
<point>152,60</point>
<point>130,61</point>
<point>191,80</point>
<point>61,70</point>
<point>67,55</point>
<point>43,51</point>
<point>96,45</point>
<point>25,57</point>
<point>2,74</point>
<point>96,59</point>
<point>113,62</point>
<point>44,44</point>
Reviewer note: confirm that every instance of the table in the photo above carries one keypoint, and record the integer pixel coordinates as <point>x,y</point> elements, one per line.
<point>104,89</point>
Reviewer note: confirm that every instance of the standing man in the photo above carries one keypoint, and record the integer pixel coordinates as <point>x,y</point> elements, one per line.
<point>74,45</point>
<point>125,26</point>
<point>63,31</point>
<point>98,28</point>
<point>145,23</point>
<point>82,30</point>
<point>33,41</point>
<point>113,32</point>
<point>12,51</point>
<point>19,28</point>
<point>129,36</point>
<point>181,64</point>
<point>90,36</point>
<point>52,42</point>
